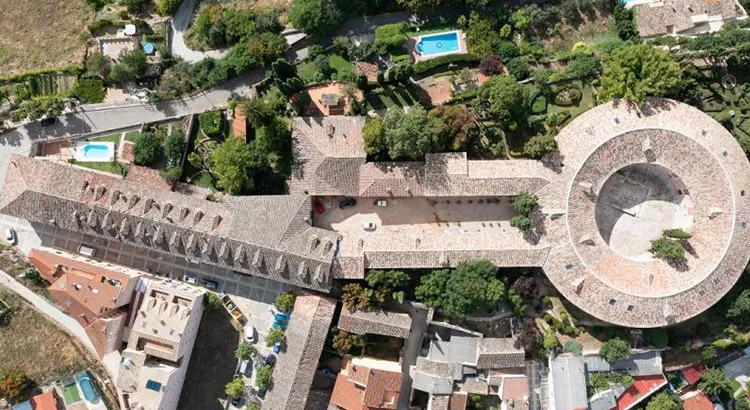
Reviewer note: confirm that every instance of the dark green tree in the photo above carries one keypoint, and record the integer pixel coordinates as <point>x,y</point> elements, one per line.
<point>716,383</point>
<point>245,351</point>
<point>373,135</point>
<point>668,249</point>
<point>410,135</point>
<point>387,284</point>
<point>175,146</point>
<point>521,222</point>
<point>264,377</point>
<point>147,149</point>
<point>664,401</point>
<point>615,349</point>
<point>235,164</point>
<point>637,71</point>
<point>524,203</point>
<point>316,17</point>
<point>470,287</point>
<point>274,336</point>
<point>285,301</point>
<point>504,100</point>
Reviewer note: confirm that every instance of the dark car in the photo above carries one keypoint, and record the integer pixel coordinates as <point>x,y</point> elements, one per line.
<point>347,203</point>
<point>236,401</point>
<point>46,122</point>
<point>270,360</point>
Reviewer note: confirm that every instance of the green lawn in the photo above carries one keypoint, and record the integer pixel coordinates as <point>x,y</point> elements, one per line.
<point>132,136</point>
<point>403,96</point>
<point>70,394</point>
<point>340,64</point>
<point>308,72</point>
<point>113,168</point>
<point>586,103</point>
<point>108,138</point>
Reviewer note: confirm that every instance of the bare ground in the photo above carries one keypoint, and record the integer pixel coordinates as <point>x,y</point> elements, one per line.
<point>41,34</point>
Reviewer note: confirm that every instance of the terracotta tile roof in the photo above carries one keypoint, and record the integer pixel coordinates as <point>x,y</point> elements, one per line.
<point>270,236</point>
<point>654,18</point>
<point>515,388</point>
<point>44,401</point>
<point>375,321</point>
<point>641,388</point>
<point>367,389</point>
<point>295,367</point>
<point>368,69</point>
<point>693,373</point>
<point>697,401</point>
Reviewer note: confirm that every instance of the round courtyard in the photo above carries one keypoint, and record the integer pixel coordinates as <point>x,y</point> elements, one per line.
<point>626,177</point>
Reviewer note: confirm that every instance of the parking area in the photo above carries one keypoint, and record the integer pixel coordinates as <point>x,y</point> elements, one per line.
<point>415,214</point>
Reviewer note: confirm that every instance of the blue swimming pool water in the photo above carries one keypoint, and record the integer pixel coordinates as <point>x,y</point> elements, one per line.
<point>96,152</point>
<point>89,393</point>
<point>438,43</point>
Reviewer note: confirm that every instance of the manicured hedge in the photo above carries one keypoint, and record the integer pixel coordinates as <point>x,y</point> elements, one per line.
<point>23,76</point>
<point>89,90</point>
<point>427,65</point>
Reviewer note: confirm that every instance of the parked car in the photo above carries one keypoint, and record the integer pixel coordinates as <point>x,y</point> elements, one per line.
<point>277,325</point>
<point>380,202</point>
<point>250,334</point>
<point>46,122</point>
<point>209,284</point>
<point>369,225</point>
<point>87,250</point>
<point>246,368</point>
<point>270,360</point>
<point>236,401</point>
<point>281,318</point>
<point>189,279</point>
<point>277,348</point>
<point>10,236</point>
<point>261,394</point>
<point>347,203</point>
<point>319,208</point>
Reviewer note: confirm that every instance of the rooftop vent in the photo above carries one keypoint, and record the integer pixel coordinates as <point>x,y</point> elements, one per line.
<point>166,209</point>
<point>215,221</point>
<point>99,192</point>
<point>115,196</point>
<point>183,213</point>
<point>197,217</point>
<point>133,200</point>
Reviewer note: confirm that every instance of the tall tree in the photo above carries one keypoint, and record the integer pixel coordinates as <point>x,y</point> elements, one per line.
<point>504,100</point>
<point>410,135</point>
<point>317,17</point>
<point>664,401</point>
<point>715,382</point>
<point>637,71</point>
<point>615,349</point>
<point>471,286</point>
<point>236,163</point>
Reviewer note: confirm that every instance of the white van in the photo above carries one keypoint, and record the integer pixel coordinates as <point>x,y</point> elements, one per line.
<point>87,250</point>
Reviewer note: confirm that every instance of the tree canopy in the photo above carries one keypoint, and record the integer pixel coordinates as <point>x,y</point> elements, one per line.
<point>634,72</point>
<point>505,101</point>
<point>715,382</point>
<point>175,146</point>
<point>317,17</point>
<point>387,284</point>
<point>147,149</point>
<point>235,388</point>
<point>373,135</point>
<point>470,287</point>
<point>664,401</point>
<point>235,164</point>
<point>615,349</point>
<point>245,351</point>
<point>410,135</point>
<point>285,301</point>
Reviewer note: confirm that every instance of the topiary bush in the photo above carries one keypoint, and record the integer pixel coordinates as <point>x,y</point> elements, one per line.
<point>212,123</point>
<point>568,95</point>
<point>539,105</point>
<point>427,65</point>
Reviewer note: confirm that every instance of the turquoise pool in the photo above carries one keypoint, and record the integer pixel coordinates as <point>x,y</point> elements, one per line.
<point>89,393</point>
<point>95,151</point>
<point>441,43</point>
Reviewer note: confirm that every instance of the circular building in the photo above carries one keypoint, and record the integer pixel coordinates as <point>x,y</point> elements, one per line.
<point>624,177</point>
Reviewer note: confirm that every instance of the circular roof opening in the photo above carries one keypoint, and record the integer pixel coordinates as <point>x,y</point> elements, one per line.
<point>637,204</point>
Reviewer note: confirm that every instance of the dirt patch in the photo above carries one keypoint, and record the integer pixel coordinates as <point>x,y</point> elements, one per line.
<point>14,262</point>
<point>34,345</point>
<point>42,34</point>
<point>212,364</point>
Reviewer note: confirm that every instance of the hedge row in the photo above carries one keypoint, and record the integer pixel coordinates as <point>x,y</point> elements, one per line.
<point>17,78</point>
<point>427,65</point>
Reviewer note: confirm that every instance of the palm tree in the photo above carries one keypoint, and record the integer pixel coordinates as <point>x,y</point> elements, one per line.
<point>257,113</point>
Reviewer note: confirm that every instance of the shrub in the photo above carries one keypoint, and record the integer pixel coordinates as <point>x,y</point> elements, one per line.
<point>521,222</point>
<point>518,68</point>
<point>389,36</point>
<point>427,65</point>
<point>245,351</point>
<point>264,377</point>
<point>656,337</point>
<point>175,146</point>
<point>524,203</point>
<point>568,95</point>
<point>212,123</point>
<point>345,342</point>
<point>147,149</point>
<point>615,349</point>
<point>491,65</point>
<point>573,348</point>
<point>677,234</point>
<point>274,336</point>
<point>668,249</point>
<point>167,7</point>
<point>285,301</point>
<point>539,105</point>
<point>709,353</point>
<point>539,145</point>
<point>550,341</point>
<point>13,384</point>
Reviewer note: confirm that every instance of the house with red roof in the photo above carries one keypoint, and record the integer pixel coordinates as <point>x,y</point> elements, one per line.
<point>96,295</point>
<point>44,401</point>
<point>693,373</point>
<point>367,384</point>
<point>697,400</point>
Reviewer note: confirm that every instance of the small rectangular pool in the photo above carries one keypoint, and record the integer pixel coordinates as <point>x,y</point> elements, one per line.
<point>94,151</point>
<point>439,44</point>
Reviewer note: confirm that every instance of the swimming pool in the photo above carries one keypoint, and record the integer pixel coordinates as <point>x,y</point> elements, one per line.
<point>89,393</point>
<point>95,151</point>
<point>438,44</point>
